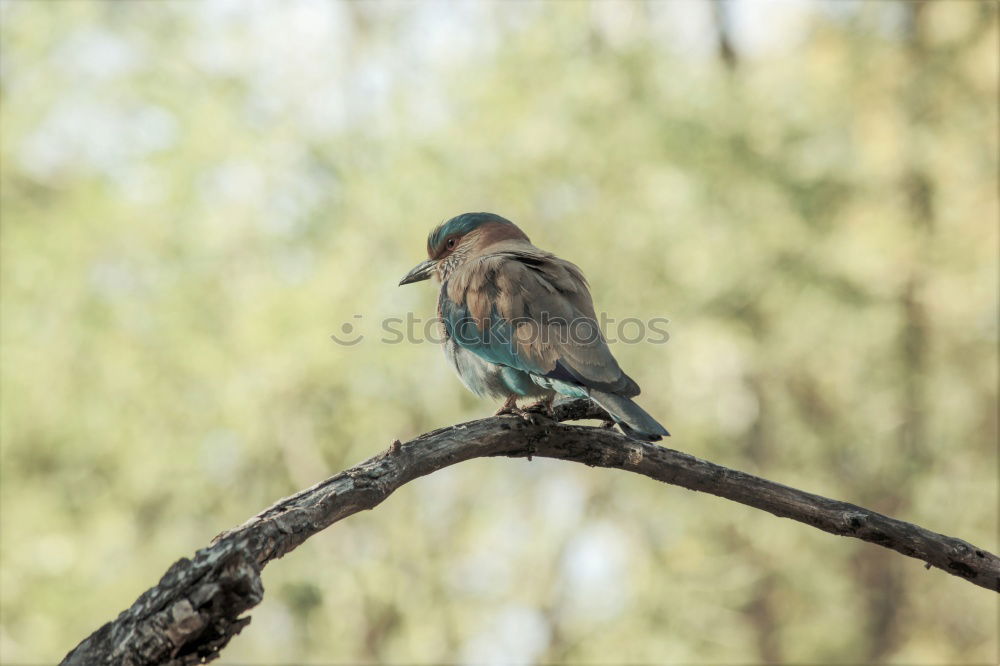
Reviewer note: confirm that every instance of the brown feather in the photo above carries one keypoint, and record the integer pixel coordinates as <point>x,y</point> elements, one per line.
<point>547,300</point>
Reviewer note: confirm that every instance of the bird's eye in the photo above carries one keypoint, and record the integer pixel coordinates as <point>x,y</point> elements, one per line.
<point>451,243</point>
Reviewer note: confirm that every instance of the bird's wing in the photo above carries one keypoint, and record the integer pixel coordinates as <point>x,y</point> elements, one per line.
<point>531,311</point>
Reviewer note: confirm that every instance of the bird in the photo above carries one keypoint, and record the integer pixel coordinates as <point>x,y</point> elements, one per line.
<point>519,322</point>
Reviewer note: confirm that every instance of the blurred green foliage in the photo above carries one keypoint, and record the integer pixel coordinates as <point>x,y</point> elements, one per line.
<point>195,196</point>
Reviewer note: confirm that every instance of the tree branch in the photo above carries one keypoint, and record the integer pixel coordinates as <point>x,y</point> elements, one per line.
<point>197,606</point>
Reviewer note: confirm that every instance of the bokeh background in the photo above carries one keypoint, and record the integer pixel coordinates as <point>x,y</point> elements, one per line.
<point>196,195</point>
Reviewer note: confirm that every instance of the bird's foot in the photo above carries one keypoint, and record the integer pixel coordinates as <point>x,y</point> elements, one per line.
<point>529,414</point>
<point>543,406</point>
<point>509,407</point>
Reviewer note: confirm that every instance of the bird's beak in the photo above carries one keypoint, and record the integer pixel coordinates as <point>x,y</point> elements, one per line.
<point>421,271</point>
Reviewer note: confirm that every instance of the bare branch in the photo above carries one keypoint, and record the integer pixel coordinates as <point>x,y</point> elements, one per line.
<point>197,605</point>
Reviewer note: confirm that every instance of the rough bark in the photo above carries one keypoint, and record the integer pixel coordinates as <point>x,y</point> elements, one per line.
<point>198,605</point>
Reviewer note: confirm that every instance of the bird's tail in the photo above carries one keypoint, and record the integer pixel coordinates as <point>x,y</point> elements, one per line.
<point>631,418</point>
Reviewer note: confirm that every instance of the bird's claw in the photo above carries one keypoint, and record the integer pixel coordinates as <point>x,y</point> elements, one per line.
<point>530,413</point>
<point>526,414</point>
<point>509,407</point>
<point>543,407</point>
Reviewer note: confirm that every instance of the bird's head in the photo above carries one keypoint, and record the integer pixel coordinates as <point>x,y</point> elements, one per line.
<point>461,238</point>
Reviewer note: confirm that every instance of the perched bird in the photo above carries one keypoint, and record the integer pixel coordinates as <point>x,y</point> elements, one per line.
<point>519,322</point>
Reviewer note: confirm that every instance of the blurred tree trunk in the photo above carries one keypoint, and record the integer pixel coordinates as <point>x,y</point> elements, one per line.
<point>723,33</point>
<point>879,577</point>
